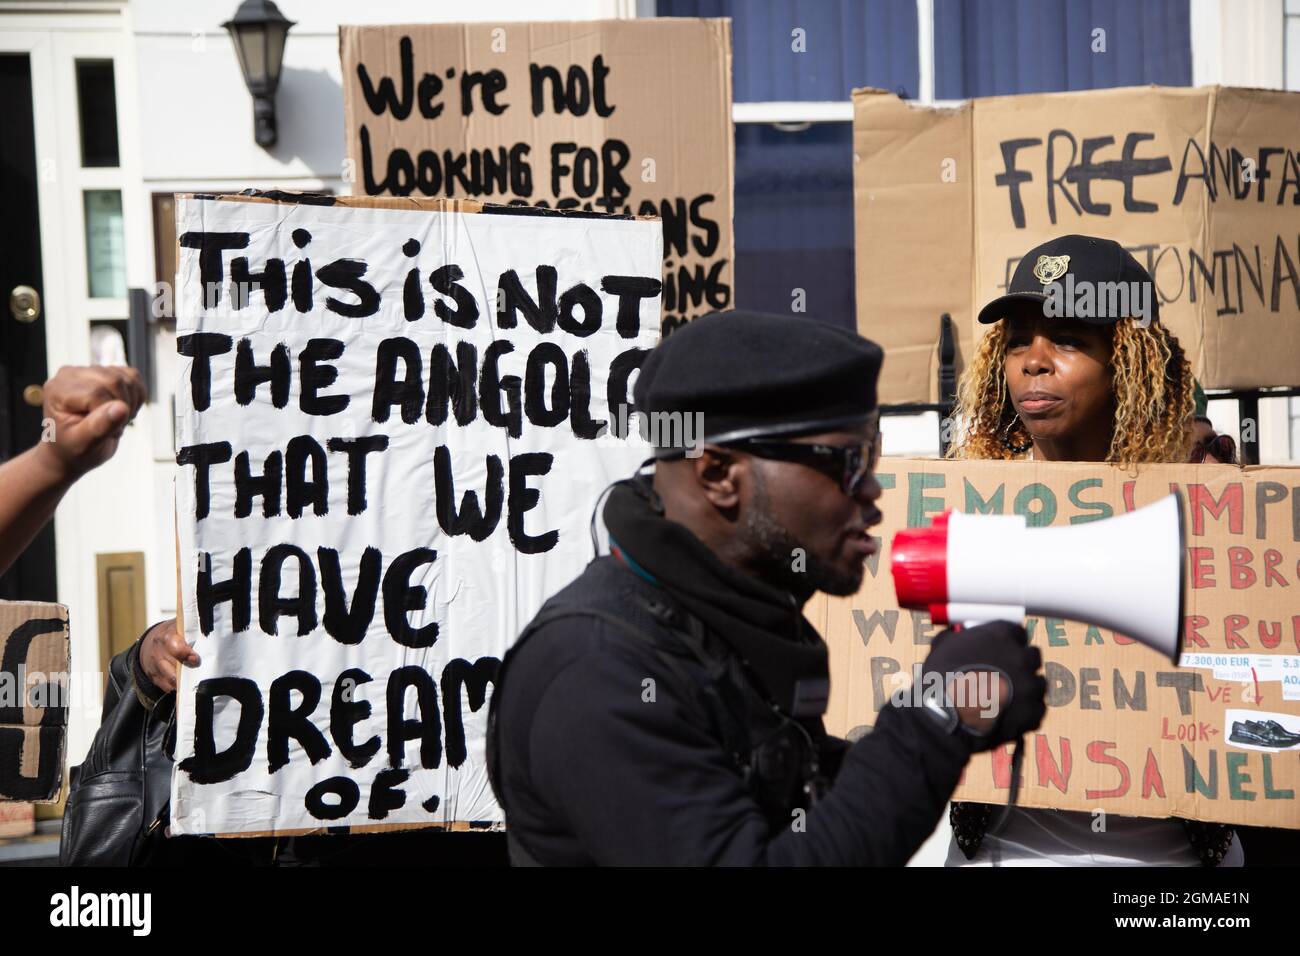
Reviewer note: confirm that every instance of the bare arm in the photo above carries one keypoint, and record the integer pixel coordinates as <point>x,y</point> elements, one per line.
<point>88,409</point>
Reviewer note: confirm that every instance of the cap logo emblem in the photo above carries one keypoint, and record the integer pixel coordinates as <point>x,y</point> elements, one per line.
<point>1050,268</point>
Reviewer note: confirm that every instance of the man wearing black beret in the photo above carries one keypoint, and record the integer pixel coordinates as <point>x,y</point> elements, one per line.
<point>666,707</point>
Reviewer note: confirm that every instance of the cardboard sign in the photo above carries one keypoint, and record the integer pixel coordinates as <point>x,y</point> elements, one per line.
<point>1126,731</point>
<point>33,700</point>
<point>623,116</point>
<point>389,454</point>
<point>17,819</point>
<point>1201,185</point>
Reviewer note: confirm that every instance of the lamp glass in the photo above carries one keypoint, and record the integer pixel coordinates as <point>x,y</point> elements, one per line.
<point>250,42</point>
<point>276,35</point>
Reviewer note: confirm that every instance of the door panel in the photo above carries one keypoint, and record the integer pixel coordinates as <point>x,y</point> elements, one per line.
<point>22,343</point>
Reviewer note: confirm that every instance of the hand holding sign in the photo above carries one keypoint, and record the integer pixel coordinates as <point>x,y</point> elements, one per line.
<point>161,650</point>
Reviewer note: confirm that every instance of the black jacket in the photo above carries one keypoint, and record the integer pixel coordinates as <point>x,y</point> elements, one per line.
<point>117,797</point>
<point>607,748</point>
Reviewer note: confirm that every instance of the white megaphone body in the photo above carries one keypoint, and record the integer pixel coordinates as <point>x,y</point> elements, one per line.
<point>1123,573</point>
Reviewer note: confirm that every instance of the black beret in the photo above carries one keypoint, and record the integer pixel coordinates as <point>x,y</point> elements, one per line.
<point>751,374</point>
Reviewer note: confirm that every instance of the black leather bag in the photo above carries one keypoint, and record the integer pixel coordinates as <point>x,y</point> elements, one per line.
<point>118,797</point>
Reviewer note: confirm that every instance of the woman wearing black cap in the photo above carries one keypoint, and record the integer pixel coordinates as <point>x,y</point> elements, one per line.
<point>1096,386</point>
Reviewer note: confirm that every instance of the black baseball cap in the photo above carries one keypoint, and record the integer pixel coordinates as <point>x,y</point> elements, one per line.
<point>1073,261</point>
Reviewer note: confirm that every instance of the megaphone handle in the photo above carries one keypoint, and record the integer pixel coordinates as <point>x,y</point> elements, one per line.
<point>1017,759</point>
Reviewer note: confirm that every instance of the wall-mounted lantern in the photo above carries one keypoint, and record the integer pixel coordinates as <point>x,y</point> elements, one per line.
<point>259,30</point>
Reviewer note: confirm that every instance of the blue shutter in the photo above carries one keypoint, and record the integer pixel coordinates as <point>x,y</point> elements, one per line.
<point>794,220</point>
<point>1001,47</point>
<point>848,43</point>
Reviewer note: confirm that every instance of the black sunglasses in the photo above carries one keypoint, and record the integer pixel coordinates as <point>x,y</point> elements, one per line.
<point>850,465</point>
<point>1222,447</point>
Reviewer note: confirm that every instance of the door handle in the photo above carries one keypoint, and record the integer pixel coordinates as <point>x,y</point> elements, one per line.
<point>25,303</point>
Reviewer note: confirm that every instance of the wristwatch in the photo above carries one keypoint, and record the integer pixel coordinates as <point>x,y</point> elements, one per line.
<point>934,703</point>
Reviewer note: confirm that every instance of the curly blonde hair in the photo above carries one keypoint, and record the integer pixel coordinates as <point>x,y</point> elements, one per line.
<point>1152,383</point>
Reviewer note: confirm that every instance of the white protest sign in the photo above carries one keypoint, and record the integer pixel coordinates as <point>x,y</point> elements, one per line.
<point>389,454</point>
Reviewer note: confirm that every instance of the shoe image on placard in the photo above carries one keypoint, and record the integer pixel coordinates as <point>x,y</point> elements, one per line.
<point>1263,733</point>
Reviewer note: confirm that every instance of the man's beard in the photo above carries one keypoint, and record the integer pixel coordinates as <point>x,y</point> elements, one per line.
<point>785,563</point>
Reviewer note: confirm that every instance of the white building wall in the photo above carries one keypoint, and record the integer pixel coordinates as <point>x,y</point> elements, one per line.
<point>201,116</point>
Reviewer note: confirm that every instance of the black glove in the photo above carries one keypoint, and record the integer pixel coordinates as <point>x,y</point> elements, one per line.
<point>1003,649</point>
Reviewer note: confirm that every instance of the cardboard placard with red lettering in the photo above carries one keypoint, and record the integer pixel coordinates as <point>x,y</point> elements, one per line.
<point>1126,730</point>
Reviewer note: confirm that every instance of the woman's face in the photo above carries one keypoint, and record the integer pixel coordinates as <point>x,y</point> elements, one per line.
<point>1059,378</point>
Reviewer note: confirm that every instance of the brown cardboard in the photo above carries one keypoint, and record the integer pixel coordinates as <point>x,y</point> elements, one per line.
<point>668,90</point>
<point>1227,269</point>
<point>1231,784</point>
<point>17,820</point>
<point>33,699</point>
<point>902,199</point>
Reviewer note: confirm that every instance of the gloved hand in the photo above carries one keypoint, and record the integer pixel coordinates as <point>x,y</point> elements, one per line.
<point>1005,696</point>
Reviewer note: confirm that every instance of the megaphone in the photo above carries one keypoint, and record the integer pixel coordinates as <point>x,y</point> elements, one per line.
<point>1123,573</point>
